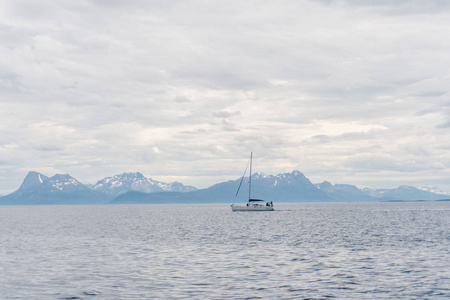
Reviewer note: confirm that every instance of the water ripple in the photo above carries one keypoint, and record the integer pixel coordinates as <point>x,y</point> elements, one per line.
<point>304,251</point>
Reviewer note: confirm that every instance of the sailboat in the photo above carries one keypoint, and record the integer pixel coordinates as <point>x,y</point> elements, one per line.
<point>252,204</point>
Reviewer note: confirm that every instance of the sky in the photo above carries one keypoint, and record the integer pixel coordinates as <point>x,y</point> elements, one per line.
<point>347,91</point>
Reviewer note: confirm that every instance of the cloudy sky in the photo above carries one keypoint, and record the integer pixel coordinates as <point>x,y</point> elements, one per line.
<point>184,90</point>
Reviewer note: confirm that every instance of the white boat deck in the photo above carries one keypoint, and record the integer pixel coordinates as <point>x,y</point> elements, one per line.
<point>251,207</point>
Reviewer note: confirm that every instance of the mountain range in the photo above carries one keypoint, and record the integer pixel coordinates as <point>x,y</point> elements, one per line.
<point>125,182</point>
<point>38,189</point>
<point>132,188</point>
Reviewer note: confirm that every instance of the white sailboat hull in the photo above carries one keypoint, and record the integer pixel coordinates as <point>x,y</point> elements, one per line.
<point>252,204</point>
<point>251,207</point>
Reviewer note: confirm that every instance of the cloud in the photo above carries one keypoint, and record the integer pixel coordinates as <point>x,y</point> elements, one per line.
<point>443,125</point>
<point>92,88</point>
<point>225,114</point>
<point>395,6</point>
<point>182,99</point>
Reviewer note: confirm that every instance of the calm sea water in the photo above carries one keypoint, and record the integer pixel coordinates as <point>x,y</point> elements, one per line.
<point>301,251</point>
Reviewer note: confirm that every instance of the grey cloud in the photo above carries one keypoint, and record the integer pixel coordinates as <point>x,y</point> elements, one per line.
<point>389,163</point>
<point>427,111</point>
<point>198,131</point>
<point>321,138</point>
<point>225,114</point>
<point>182,99</point>
<point>10,84</point>
<point>47,147</point>
<point>434,94</point>
<point>396,6</point>
<point>205,81</point>
<point>443,125</point>
<point>227,126</point>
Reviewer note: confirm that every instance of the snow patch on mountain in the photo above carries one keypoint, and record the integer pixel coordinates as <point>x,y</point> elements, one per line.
<point>433,189</point>
<point>136,181</point>
<point>405,192</point>
<point>57,183</point>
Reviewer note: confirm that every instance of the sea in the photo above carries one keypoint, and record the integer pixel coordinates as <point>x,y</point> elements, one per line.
<point>383,250</point>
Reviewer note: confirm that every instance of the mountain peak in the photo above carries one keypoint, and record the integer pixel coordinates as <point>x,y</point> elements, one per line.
<point>257,175</point>
<point>58,189</point>
<point>433,189</point>
<point>37,183</point>
<point>131,174</point>
<point>32,180</point>
<point>326,185</point>
<point>61,177</point>
<point>136,181</point>
<point>64,182</point>
<point>292,178</point>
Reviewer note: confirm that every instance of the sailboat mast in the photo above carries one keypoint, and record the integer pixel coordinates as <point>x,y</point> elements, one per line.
<point>250,179</point>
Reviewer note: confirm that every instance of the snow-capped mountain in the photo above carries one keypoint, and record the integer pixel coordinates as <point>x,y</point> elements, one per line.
<point>125,182</point>
<point>293,185</point>
<point>57,183</point>
<point>58,189</point>
<point>287,187</point>
<point>434,190</point>
<point>136,188</point>
<point>403,192</point>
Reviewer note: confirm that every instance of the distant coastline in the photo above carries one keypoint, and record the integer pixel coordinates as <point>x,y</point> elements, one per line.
<point>415,200</point>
